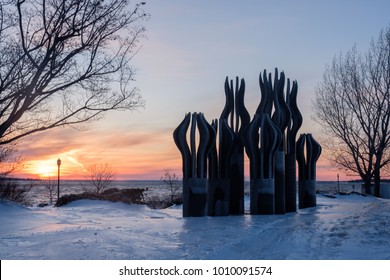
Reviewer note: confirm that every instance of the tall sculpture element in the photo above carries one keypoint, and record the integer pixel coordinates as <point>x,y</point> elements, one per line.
<point>281,117</point>
<point>307,159</point>
<point>273,96</point>
<point>194,162</point>
<point>218,194</point>
<point>262,139</point>
<point>237,117</point>
<point>292,130</point>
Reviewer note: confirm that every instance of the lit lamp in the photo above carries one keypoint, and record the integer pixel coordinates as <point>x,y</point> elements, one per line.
<point>58,188</point>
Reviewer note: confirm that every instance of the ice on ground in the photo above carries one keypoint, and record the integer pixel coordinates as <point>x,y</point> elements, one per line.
<point>347,227</point>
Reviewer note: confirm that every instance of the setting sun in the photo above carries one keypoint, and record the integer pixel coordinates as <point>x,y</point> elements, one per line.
<point>44,169</point>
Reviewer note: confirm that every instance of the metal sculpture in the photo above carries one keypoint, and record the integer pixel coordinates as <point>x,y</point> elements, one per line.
<point>194,162</point>
<point>262,139</point>
<point>213,161</point>
<point>218,193</point>
<point>281,117</point>
<point>290,159</point>
<point>273,96</point>
<point>237,117</point>
<point>308,152</point>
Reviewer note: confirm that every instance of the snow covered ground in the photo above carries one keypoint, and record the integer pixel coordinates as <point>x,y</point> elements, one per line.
<point>347,227</point>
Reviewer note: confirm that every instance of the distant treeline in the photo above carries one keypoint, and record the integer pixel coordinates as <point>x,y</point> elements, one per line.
<point>18,179</point>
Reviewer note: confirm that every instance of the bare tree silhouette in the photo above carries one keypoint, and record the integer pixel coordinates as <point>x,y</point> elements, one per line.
<point>51,188</point>
<point>172,181</point>
<point>65,62</point>
<point>10,160</point>
<point>100,176</point>
<point>352,104</point>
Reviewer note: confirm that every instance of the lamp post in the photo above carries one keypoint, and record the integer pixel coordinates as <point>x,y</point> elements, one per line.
<point>58,186</point>
<point>338,183</point>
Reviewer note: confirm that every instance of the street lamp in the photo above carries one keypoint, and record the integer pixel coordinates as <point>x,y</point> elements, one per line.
<point>338,183</point>
<point>58,187</point>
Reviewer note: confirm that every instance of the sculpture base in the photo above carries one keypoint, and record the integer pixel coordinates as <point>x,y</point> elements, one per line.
<point>262,196</point>
<point>307,194</point>
<point>218,197</point>
<point>194,197</point>
<point>291,184</point>
<point>236,177</point>
<point>280,190</point>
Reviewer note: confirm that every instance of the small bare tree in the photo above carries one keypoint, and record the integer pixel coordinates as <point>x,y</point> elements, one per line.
<point>50,186</point>
<point>172,181</point>
<point>100,176</point>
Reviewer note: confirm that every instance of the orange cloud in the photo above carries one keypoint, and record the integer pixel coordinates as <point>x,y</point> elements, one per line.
<point>132,154</point>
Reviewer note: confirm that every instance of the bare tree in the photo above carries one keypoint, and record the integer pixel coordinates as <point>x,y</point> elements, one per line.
<point>9,159</point>
<point>65,62</point>
<point>100,176</point>
<point>353,106</point>
<point>172,181</point>
<point>50,186</point>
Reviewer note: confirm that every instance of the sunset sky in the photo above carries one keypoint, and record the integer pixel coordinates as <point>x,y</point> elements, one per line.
<point>191,47</point>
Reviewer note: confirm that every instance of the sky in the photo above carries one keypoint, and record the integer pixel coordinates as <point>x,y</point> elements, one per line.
<point>191,47</point>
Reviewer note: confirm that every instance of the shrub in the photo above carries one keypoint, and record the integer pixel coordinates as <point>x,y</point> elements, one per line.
<point>115,195</point>
<point>158,202</point>
<point>12,191</point>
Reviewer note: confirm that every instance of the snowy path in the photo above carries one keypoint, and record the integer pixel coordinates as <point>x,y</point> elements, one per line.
<point>348,227</point>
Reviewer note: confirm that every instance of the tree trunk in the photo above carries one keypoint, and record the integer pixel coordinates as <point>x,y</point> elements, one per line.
<point>367,186</point>
<point>377,181</point>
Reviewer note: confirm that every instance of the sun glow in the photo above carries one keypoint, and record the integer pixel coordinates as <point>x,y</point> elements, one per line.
<point>47,168</point>
<point>44,170</point>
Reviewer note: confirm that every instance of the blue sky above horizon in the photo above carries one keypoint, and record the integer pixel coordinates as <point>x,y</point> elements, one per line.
<point>181,67</point>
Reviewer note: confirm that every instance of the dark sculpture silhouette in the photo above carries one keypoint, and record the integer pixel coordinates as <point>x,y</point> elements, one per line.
<point>237,117</point>
<point>274,97</point>
<point>194,162</point>
<point>218,194</point>
<point>262,140</point>
<point>292,131</point>
<point>213,162</point>
<point>308,152</point>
